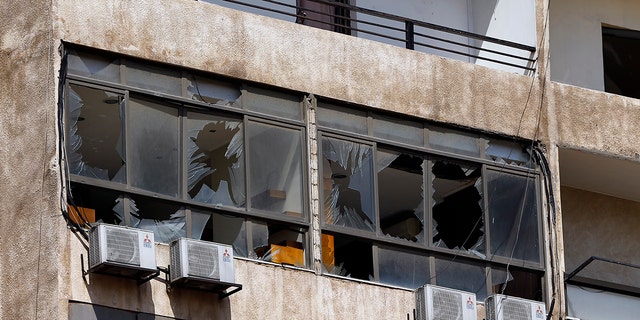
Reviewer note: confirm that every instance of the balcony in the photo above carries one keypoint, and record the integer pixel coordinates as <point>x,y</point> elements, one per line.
<point>500,35</point>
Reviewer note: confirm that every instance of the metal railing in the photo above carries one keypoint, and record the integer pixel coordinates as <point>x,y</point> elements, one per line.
<point>415,35</point>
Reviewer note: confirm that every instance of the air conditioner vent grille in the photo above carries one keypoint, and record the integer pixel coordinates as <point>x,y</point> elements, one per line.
<point>446,305</point>
<point>122,246</point>
<point>517,310</point>
<point>203,260</point>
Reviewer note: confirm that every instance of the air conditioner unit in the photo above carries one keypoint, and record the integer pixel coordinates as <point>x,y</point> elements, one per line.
<point>201,264</point>
<point>501,307</point>
<point>438,303</point>
<point>122,251</point>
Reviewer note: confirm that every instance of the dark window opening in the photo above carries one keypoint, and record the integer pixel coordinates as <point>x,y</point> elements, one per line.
<point>621,60</point>
<point>324,15</point>
<point>517,282</point>
<point>400,189</point>
<point>346,256</point>
<point>278,243</point>
<point>457,210</point>
<point>92,204</point>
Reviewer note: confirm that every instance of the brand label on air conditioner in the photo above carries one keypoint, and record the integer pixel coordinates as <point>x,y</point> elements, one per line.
<point>226,257</point>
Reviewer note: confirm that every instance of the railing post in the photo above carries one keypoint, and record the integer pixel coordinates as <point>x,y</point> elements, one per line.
<point>408,31</point>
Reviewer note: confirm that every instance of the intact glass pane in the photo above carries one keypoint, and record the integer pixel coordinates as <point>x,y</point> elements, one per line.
<point>276,169</point>
<point>400,194</point>
<point>213,91</point>
<point>403,269</point>
<point>154,145</point>
<point>462,275</point>
<point>272,103</point>
<point>165,219</point>
<point>215,160</point>
<point>513,216</point>
<point>348,184</point>
<point>454,142</point>
<point>340,118</point>
<point>458,217</point>
<point>403,131</point>
<point>94,133</point>
<point>101,67</point>
<point>154,78</point>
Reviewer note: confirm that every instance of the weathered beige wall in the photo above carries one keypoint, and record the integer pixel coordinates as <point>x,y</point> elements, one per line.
<point>208,37</point>
<point>596,121</point>
<point>603,226</point>
<point>30,222</point>
<point>269,292</point>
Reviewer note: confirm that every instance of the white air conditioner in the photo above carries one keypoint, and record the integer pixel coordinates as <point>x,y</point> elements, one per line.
<point>122,251</point>
<point>201,264</point>
<point>501,307</point>
<point>438,303</point>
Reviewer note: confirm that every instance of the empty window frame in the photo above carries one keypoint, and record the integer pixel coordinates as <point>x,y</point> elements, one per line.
<point>167,163</point>
<point>443,211</point>
<point>621,61</point>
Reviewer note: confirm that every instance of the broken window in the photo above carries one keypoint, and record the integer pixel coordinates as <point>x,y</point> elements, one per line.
<point>517,282</point>
<point>95,137</point>
<point>458,218</point>
<point>513,216</point>
<point>215,172</point>
<point>154,141</point>
<point>400,195</point>
<point>276,182</point>
<point>92,205</point>
<point>621,53</point>
<point>351,257</point>
<point>213,91</point>
<point>278,243</point>
<point>222,229</point>
<point>165,219</point>
<point>348,184</point>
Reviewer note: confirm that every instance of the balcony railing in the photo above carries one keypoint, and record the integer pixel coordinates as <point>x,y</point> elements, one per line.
<point>384,27</point>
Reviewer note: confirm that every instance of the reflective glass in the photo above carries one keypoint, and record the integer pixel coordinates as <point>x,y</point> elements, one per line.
<point>340,118</point>
<point>154,144</point>
<point>101,67</point>
<point>276,174</point>
<point>403,269</point>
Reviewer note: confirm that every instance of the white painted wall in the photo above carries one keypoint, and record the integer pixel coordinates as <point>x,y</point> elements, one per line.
<point>576,37</point>
<point>591,304</point>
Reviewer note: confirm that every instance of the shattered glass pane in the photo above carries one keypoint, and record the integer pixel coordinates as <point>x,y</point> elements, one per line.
<point>276,176</point>
<point>213,91</point>
<point>458,218</point>
<point>272,102</point>
<point>166,220</point>
<point>348,184</point>
<point>95,205</point>
<point>400,194</point>
<point>513,216</point>
<point>340,118</point>
<point>94,133</point>
<point>454,142</point>
<point>221,229</point>
<point>403,131</point>
<point>351,258</point>
<point>154,78</point>
<point>465,276</point>
<point>403,269</point>
<point>215,167</point>
<point>508,152</point>
<point>154,144</point>
<point>94,66</point>
<point>278,243</point>
<point>519,283</point>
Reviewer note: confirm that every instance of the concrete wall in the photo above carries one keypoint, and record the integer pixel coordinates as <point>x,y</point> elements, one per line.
<point>30,221</point>
<point>269,292</point>
<point>576,37</point>
<point>603,226</point>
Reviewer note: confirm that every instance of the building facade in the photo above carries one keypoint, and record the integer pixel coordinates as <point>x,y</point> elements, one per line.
<point>349,152</point>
